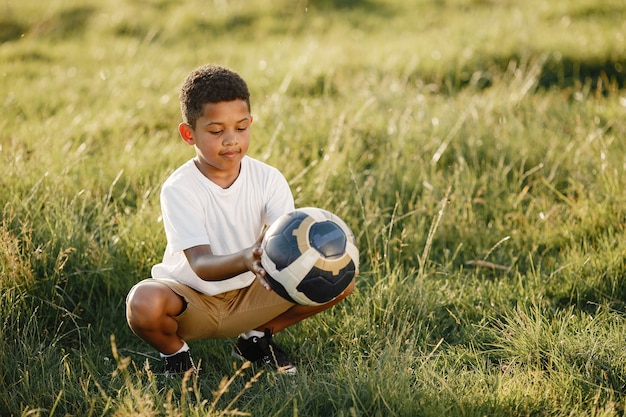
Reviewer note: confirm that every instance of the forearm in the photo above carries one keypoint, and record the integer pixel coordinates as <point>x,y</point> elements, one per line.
<point>211,267</point>
<point>219,267</point>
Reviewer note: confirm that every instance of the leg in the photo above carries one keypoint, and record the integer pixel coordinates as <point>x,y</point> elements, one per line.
<point>150,308</point>
<point>299,312</point>
<point>259,347</point>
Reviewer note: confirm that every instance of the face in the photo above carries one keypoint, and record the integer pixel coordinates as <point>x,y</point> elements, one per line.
<point>221,138</point>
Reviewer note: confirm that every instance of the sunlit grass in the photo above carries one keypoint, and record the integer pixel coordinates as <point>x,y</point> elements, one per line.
<point>475,147</point>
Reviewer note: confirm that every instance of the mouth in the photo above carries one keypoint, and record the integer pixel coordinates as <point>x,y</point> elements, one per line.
<point>229,154</point>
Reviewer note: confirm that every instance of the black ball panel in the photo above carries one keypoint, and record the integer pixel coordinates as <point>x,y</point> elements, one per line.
<point>282,247</point>
<point>322,286</point>
<point>282,251</point>
<point>328,239</point>
<point>279,289</point>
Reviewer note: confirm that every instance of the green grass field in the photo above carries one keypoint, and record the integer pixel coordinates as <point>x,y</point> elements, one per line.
<point>476,147</point>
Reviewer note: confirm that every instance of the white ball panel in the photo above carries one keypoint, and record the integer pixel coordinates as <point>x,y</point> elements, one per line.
<point>353,252</point>
<point>319,215</point>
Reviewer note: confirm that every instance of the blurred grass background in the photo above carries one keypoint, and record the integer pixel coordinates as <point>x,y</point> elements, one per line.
<point>476,148</point>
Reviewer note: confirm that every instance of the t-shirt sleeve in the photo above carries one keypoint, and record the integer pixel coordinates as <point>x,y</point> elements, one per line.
<point>183,216</point>
<point>280,198</point>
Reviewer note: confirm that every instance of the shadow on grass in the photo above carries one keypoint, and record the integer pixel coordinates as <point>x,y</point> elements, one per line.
<point>69,22</point>
<point>603,74</point>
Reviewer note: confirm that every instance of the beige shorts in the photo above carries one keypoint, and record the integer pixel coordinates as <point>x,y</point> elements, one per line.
<point>224,315</point>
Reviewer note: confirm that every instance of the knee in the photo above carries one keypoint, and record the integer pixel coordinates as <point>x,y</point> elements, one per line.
<point>145,304</point>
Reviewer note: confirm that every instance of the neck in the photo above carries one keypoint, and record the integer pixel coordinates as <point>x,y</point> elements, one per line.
<point>223,179</point>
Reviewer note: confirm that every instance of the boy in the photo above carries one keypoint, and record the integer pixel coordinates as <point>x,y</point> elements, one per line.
<point>215,207</point>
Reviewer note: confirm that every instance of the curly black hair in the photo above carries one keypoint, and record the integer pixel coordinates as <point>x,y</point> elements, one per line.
<point>210,84</point>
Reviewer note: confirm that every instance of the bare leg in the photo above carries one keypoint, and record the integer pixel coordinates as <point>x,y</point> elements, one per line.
<point>150,309</point>
<point>299,312</point>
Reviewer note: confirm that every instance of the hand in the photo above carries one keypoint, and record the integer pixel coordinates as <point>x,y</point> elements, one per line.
<point>255,266</point>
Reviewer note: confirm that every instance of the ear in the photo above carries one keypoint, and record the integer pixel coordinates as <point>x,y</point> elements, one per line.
<point>186,133</point>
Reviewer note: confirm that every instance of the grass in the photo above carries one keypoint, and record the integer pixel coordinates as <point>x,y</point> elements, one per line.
<point>475,147</point>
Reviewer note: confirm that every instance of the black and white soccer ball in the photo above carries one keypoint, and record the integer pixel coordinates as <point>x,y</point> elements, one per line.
<point>310,256</point>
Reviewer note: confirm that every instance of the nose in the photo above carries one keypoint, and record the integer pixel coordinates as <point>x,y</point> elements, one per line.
<point>230,138</point>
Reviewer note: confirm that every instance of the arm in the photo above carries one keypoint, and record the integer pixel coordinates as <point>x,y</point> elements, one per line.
<point>212,267</point>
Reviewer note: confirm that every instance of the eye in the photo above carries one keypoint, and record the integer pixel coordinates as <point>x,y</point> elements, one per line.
<point>215,132</point>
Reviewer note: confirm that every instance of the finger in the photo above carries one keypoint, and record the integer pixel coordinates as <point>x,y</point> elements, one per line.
<point>257,268</point>
<point>264,282</point>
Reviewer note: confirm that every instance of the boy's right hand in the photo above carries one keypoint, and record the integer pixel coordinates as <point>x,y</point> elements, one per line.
<point>255,265</point>
<point>210,267</point>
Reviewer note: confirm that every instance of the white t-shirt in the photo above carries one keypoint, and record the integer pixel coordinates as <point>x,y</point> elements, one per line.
<point>196,211</point>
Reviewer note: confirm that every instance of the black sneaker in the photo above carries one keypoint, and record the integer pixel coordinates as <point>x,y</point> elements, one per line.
<point>263,350</point>
<point>178,364</point>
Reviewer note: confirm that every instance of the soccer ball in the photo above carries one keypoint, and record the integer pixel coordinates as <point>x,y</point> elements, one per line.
<point>310,256</point>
